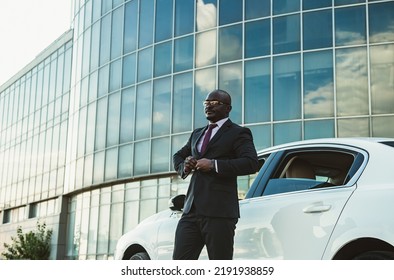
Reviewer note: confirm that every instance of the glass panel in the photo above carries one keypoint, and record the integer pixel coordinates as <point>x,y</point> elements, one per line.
<point>113,119</point>
<point>143,111</point>
<point>183,54</point>
<point>93,228</point>
<point>345,2</point>
<point>230,43</point>
<point>352,82</point>
<point>88,171</point>
<point>319,129</point>
<point>261,136</point>
<point>95,46</point>
<point>381,22</point>
<point>286,34</point>
<point>160,156</point>
<point>206,14</point>
<point>317,30</point>
<point>353,127</point>
<point>285,6</point>
<point>111,167</point>
<point>287,88</point>
<point>318,85</point>
<point>161,106</point>
<point>103,81</point>
<point>90,128</point>
<point>205,82</point>
<point>81,132</point>
<point>125,166</point>
<point>115,225</point>
<point>206,48</point>
<point>381,127</point>
<point>116,35</point>
<point>257,91</point>
<point>105,39</point>
<point>230,11</point>
<point>163,59</point>
<point>314,4</point>
<point>182,102</point>
<point>142,153</point>
<point>350,26</point>
<point>115,77</point>
<point>184,17</point>
<point>287,132</point>
<point>164,19</point>
<point>127,115</point>
<point>230,80</point>
<point>146,23</point>
<point>382,79</point>
<point>130,27</point>
<point>129,63</point>
<point>101,121</point>
<point>98,170</point>
<point>257,8</point>
<point>103,229</point>
<point>257,38</point>
<point>145,64</point>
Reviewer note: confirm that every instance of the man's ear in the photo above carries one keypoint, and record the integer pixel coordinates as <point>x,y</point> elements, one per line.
<point>229,107</point>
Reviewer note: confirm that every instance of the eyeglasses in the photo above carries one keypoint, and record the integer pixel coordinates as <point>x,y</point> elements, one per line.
<point>207,103</point>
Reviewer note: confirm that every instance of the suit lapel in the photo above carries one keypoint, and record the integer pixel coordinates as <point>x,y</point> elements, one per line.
<point>197,138</point>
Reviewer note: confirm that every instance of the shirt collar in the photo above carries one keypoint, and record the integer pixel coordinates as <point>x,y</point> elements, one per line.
<point>221,122</point>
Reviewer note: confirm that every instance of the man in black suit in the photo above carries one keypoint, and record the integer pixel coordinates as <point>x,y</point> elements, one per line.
<point>211,209</point>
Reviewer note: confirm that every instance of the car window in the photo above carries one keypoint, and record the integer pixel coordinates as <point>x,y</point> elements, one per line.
<point>306,170</point>
<point>245,182</point>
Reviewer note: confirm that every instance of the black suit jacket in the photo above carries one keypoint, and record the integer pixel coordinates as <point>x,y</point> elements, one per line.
<point>215,194</point>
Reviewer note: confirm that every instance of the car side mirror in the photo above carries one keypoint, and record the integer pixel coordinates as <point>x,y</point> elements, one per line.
<point>176,203</point>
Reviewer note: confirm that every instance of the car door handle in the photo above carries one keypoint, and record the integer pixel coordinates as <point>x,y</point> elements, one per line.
<point>317,208</point>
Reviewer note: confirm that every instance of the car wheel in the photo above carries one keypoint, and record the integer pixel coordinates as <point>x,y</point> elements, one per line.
<point>375,255</point>
<point>140,256</point>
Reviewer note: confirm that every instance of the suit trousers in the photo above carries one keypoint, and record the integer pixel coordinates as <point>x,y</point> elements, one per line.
<point>195,231</point>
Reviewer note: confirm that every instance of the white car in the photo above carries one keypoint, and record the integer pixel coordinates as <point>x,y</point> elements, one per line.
<point>316,199</point>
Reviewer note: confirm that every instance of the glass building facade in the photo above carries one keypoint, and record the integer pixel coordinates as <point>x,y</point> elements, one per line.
<point>88,129</point>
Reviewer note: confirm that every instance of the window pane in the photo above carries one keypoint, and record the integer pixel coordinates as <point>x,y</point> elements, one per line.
<point>261,136</point>
<point>382,79</point>
<point>380,127</point>
<point>285,6</point>
<point>115,77</point>
<point>353,127</point>
<point>350,26</point>
<point>128,70</point>
<point>313,4</point>
<point>205,82</point>
<point>257,38</point>
<point>183,54</point>
<point>287,88</point>
<point>381,22</point>
<point>345,2</point>
<point>230,80</point>
<point>317,30</point>
<point>287,34</point>
<point>141,164</point>
<point>164,20</point>
<point>143,111</point>
<point>319,129</point>
<point>230,43</point>
<point>287,132</point>
<point>161,106</point>
<point>206,14</point>
<point>98,170</point>
<point>127,115</point>
<point>160,154</point>
<point>103,81</point>
<point>101,121</point>
<point>257,8</point>
<point>163,59</point>
<point>146,23</point>
<point>113,119</point>
<point>130,27</point>
<point>206,48</point>
<point>125,161</point>
<point>230,11</point>
<point>318,85</point>
<point>111,168</point>
<point>145,64</point>
<point>116,35</point>
<point>257,91</point>
<point>352,82</point>
<point>105,39</point>
<point>182,101</point>
<point>184,17</point>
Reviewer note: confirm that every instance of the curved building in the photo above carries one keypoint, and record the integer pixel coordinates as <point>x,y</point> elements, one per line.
<point>88,129</point>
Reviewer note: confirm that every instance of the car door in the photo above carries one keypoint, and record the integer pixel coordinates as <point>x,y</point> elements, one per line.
<point>295,223</point>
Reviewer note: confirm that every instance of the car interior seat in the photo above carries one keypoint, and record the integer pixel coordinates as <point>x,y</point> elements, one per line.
<point>300,168</point>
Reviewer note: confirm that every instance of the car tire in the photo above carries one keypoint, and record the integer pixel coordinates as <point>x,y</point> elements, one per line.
<point>375,255</point>
<point>140,256</point>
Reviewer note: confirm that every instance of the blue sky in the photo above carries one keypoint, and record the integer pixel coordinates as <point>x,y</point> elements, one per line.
<point>27,27</point>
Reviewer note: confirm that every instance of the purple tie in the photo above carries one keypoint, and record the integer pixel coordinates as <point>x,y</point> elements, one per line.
<point>207,137</point>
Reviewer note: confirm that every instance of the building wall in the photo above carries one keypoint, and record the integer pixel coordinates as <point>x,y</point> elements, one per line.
<point>296,69</point>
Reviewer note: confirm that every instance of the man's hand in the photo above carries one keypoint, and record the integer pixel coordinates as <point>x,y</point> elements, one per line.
<point>205,164</point>
<point>189,164</point>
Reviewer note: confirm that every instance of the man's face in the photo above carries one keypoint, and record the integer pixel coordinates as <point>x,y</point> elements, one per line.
<point>216,112</point>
